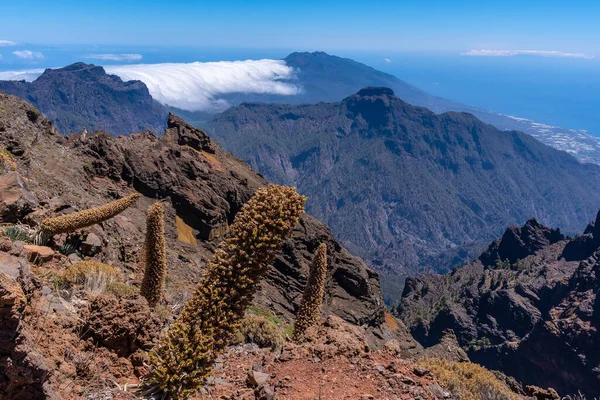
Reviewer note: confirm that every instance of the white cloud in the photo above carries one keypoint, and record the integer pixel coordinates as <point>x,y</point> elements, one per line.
<point>28,54</point>
<point>115,57</point>
<point>197,86</point>
<point>387,60</point>
<point>510,53</point>
<point>27,75</point>
<point>4,43</point>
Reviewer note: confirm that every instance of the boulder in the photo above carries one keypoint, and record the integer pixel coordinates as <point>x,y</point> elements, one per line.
<point>11,265</point>
<point>38,254</point>
<point>12,305</point>
<point>122,325</point>
<point>257,378</point>
<point>266,392</point>
<point>18,269</point>
<point>91,246</point>
<point>16,200</point>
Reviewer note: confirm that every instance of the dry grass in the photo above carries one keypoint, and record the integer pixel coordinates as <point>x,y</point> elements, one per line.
<point>391,322</point>
<point>184,232</point>
<point>94,276</point>
<point>467,380</point>
<point>214,161</point>
<point>7,161</point>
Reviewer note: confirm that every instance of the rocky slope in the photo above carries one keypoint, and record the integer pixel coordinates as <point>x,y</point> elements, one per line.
<point>400,185</point>
<point>529,306</point>
<point>88,338</point>
<point>83,96</point>
<point>202,186</point>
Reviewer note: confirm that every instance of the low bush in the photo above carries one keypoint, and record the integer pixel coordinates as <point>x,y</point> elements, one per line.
<point>93,275</point>
<point>468,381</point>
<point>260,330</point>
<point>121,289</point>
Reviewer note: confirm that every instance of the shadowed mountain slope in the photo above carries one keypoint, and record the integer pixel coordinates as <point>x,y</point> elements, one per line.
<point>529,307</point>
<point>83,96</point>
<point>399,184</point>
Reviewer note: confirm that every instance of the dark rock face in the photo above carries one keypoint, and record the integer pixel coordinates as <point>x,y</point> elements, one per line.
<point>400,186</point>
<point>535,317</point>
<point>23,371</point>
<point>202,186</point>
<point>583,246</point>
<point>518,243</point>
<point>83,96</point>
<point>207,187</point>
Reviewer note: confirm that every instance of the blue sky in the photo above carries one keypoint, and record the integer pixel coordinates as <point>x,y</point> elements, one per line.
<point>424,42</point>
<point>567,26</point>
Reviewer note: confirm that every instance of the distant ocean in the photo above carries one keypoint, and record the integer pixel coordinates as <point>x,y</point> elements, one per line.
<point>557,91</point>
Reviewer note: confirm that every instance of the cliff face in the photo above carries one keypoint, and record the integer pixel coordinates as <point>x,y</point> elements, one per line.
<point>403,187</point>
<point>83,96</point>
<point>529,307</point>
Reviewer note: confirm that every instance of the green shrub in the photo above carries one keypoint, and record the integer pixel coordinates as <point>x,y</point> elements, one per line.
<point>33,115</point>
<point>19,233</point>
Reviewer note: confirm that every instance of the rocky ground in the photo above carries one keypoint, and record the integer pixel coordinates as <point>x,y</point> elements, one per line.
<point>87,338</point>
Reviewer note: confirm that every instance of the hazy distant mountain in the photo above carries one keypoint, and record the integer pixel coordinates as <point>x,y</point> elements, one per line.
<point>84,96</point>
<point>399,184</point>
<point>328,78</point>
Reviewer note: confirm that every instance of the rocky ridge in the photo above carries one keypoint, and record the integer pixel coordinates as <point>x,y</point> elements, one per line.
<point>529,307</point>
<point>403,187</point>
<point>83,96</point>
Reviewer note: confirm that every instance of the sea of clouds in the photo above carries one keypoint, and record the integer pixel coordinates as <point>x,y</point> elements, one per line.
<point>199,86</point>
<point>23,75</point>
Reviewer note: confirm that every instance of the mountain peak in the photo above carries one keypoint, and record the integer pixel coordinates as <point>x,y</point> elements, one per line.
<point>86,71</point>
<point>376,91</point>
<point>83,95</point>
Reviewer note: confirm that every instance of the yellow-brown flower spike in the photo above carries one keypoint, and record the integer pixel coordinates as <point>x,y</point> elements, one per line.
<point>155,255</point>
<point>85,218</point>
<point>309,312</point>
<point>183,359</point>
